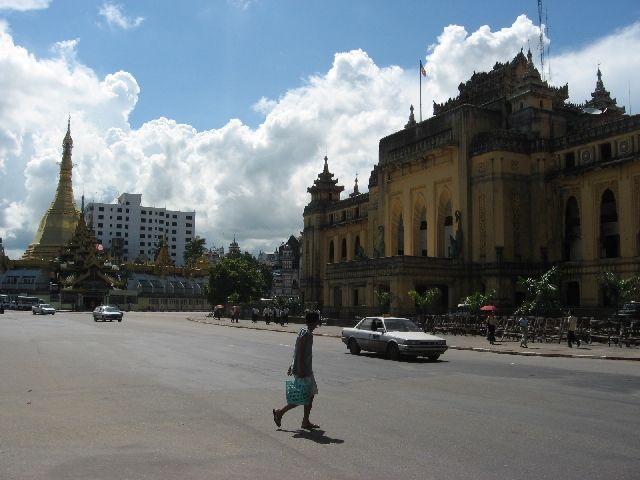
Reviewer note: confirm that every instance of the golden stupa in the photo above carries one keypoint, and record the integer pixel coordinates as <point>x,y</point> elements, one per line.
<point>59,222</point>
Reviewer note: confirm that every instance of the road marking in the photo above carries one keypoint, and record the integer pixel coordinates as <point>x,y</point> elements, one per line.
<point>284,345</point>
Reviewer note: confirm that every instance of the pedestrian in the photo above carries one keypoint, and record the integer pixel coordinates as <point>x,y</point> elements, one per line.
<point>491,328</point>
<point>524,328</point>
<point>265,313</point>
<point>302,368</point>
<point>285,316</point>
<point>254,314</point>
<point>572,325</point>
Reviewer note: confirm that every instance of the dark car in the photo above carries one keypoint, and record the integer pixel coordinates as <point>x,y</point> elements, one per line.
<point>107,313</point>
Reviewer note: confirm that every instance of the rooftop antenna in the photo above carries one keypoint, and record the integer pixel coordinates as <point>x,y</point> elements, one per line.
<point>541,40</point>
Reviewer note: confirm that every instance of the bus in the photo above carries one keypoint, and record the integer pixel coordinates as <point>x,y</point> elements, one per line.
<point>24,302</point>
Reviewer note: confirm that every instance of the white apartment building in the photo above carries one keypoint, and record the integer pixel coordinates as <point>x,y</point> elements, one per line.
<point>128,230</point>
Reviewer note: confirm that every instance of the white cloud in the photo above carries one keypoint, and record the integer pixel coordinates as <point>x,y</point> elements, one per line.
<point>242,181</point>
<point>115,18</point>
<point>24,5</point>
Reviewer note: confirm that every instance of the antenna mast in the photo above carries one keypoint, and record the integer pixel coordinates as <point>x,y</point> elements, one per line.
<point>541,44</point>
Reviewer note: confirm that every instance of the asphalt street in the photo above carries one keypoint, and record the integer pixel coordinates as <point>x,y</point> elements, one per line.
<point>159,397</point>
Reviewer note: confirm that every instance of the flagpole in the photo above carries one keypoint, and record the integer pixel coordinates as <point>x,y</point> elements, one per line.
<point>420,75</point>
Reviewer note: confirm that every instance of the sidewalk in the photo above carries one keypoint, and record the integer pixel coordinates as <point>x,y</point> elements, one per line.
<point>460,342</point>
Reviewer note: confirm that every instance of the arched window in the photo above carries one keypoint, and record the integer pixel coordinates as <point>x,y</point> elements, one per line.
<point>420,230</point>
<point>572,233</point>
<point>400,236</point>
<point>609,234</point>
<point>343,250</point>
<point>356,246</point>
<point>331,252</point>
<point>445,225</point>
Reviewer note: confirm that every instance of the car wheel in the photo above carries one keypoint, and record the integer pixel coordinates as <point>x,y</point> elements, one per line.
<point>119,320</point>
<point>392,352</point>
<point>33,311</point>
<point>354,348</point>
<point>95,319</point>
<point>433,357</point>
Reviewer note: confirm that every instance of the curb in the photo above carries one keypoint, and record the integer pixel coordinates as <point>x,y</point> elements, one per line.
<point>451,347</point>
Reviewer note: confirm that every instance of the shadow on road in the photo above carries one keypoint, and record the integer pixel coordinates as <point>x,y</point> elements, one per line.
<point>317,436</point>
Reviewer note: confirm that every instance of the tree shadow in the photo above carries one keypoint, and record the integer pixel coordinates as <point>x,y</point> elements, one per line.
<point>317,435</point>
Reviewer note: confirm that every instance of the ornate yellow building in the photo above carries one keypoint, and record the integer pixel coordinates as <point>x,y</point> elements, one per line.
<point>505,180</point>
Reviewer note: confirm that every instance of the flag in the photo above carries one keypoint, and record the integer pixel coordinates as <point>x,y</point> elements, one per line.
<point>423,72</point>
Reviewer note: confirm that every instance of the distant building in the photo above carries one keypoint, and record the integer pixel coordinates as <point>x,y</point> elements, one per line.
<point>504,181</point>
<point>130,231</point>
<point>234,248</point>
<point>284,263</point>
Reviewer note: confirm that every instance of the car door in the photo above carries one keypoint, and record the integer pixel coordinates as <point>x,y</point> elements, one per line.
<point>376,341</point>
<point>363,333</point>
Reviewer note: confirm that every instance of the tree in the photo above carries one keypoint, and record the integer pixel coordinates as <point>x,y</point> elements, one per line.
<point>618,290</point>
<point>542,297</point>
<point>239,275</point>
<point>384,299</point>
<point>423,300</point>
<point>477,300</point>
<point>194,250</point>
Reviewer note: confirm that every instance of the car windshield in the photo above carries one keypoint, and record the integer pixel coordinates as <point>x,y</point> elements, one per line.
<point>45,305</point>
<point>111,309</point>
<point>400,325</point>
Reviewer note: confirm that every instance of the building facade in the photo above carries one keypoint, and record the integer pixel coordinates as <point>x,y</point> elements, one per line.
<point>129,231</point>
<point>505,180</point>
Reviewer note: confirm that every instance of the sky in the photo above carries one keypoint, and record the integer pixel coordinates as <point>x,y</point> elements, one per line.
<point>228,107</point>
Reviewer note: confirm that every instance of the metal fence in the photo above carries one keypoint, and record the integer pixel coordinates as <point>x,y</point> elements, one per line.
<point>541,329</point>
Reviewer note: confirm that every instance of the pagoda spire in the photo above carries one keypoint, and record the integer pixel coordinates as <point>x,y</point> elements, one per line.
<point>59,222</point>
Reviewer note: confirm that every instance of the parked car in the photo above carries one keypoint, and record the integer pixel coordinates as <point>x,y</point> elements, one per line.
<point>107,313</point>
<point>393,337</point>
<point>43,309</point>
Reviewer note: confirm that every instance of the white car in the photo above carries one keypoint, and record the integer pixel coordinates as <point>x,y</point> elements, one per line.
<point>393,337</point>
<point>43,309</point>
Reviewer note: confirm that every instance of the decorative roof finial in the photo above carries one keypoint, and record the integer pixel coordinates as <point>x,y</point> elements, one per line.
<point>412,118</point>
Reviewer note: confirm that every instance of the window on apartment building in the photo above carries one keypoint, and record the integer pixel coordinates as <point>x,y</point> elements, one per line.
<point>174,216</point>
<point>99,225</point>
<point>174,238</point>
<point>174,224</point>
<point>189,217</point>
<point>173,231</point>
<point>141,252</point>
<point>127,219</point>
<point>143,212</point>
<point>127,210</point>
<point>119,217</point>
<point>118,225</point>
<point>100,217</point>
<point>173,247</point>
<point>189,225</point>
<point>143,220</point>
<point>118,234</point>
<point>101,209</point>
<point>99,233</point>
<point>142,235</point>
<point>187,239</point>
<point>188,232</point>
<point>120,209</point>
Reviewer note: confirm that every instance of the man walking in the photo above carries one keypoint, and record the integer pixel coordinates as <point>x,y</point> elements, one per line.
<point>572,325</point>
<point>302,368</point>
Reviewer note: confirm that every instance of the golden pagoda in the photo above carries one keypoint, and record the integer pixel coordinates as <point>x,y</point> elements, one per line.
<point>59,222</point>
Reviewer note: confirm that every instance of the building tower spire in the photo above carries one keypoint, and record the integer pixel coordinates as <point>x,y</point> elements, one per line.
<point>59,222</point>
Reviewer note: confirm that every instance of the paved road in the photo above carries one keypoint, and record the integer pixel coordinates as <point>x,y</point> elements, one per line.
<point>158,397</point>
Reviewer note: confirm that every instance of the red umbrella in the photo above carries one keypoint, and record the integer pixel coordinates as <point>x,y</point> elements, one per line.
<point>489,308</point>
